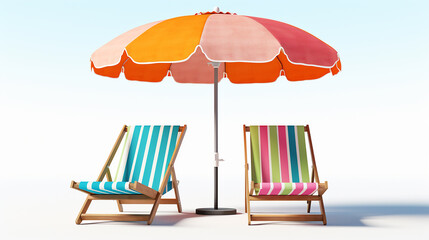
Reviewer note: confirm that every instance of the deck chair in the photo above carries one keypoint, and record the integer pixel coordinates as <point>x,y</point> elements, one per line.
<point>145,172</point>
<point>280,171</point>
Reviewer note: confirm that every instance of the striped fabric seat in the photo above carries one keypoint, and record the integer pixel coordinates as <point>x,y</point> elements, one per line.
<point>114,187</point>
<point>148,151</point>
<point>107,187</point>
<point>287,188</point>
<point>279,161</point>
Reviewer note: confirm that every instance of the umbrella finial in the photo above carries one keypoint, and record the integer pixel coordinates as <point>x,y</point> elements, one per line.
<point>216,10</point>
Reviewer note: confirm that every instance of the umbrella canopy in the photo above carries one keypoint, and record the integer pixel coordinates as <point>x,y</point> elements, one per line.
<point>250,49</point>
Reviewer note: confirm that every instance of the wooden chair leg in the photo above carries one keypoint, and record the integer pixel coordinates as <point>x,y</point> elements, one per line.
<point>176,190</point>
<point>245,204</point>
<point>179,203</point>
<point>322,210</point>
<point>83,210</point>
<point>308,206</point>
<point>249,220</point>
<point>154,209</point>
<point>121,209</point>
<point>109,178</point>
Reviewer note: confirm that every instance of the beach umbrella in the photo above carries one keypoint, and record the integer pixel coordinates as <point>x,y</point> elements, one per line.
<point>196,48</point>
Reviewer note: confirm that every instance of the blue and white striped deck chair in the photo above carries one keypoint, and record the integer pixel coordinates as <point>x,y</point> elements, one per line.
<point>145,172</point>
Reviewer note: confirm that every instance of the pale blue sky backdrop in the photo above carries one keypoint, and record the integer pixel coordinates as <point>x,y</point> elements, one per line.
<point>369,122</point>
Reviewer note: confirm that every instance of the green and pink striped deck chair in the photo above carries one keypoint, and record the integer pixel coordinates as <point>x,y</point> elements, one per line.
<point>280,170</point>
<point>145,172</point>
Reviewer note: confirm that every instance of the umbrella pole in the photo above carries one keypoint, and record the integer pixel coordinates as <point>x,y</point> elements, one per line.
<point>216,172</point>
<point>216,210</point>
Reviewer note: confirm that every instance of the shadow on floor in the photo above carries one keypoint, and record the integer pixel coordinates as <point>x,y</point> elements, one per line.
<point>162,219</point>
<point>341,215</point>
<point>173,219</point>
<point>352,215</point>
<point>349,215</point>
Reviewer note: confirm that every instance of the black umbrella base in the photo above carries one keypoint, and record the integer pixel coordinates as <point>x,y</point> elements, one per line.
<point>218,211</point>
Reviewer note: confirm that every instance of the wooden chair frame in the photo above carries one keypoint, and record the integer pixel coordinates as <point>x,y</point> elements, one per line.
<point>149,196</point>
<point>284,217</point>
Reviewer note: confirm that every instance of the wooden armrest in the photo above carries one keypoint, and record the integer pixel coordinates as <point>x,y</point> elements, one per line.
<point>322,188</point>
<point>136,186</point>
<point>75,185</point>
<point>145,190</point>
